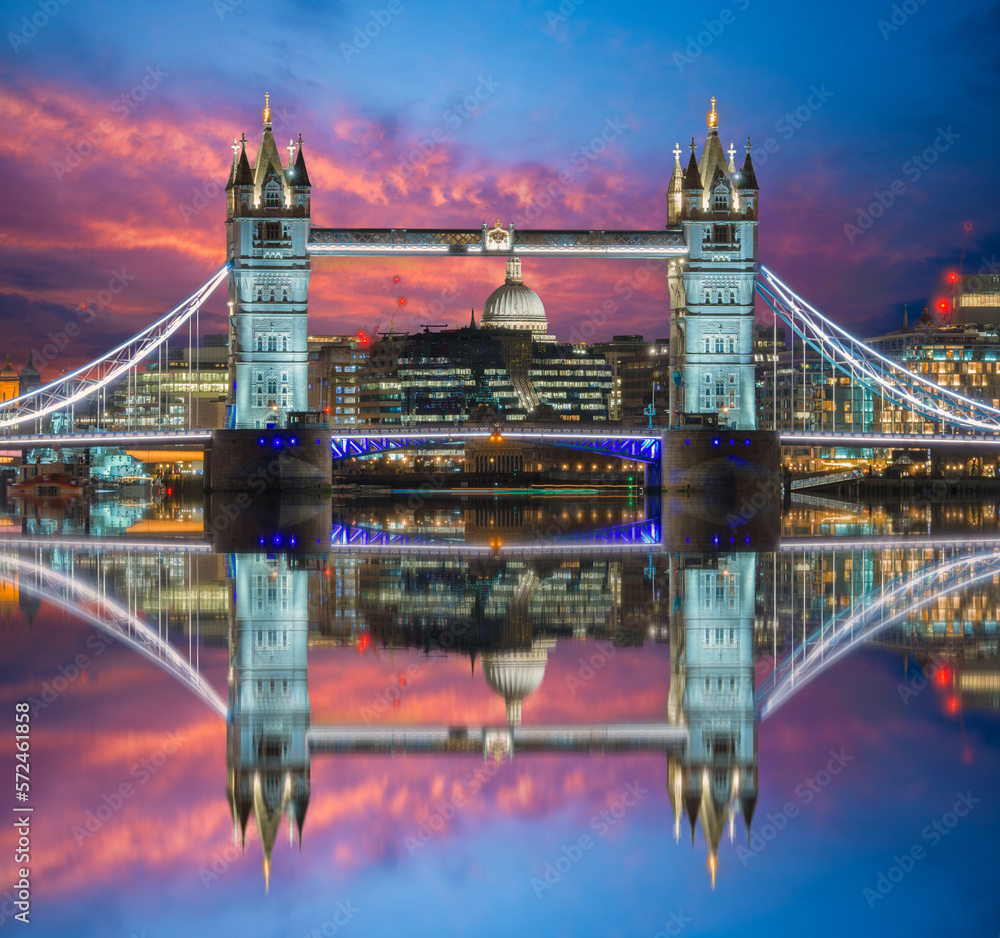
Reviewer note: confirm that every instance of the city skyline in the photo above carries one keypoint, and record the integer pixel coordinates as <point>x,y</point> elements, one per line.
<point>498,132</point>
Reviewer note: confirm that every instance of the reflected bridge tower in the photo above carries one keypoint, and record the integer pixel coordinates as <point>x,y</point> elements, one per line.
<point>712,604</point>
<point>267,741</point>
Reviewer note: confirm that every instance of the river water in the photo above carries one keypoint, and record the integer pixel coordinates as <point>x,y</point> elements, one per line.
<point>502,716</point>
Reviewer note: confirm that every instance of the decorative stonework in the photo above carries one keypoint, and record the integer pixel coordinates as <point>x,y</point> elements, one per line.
<point>497,239</point>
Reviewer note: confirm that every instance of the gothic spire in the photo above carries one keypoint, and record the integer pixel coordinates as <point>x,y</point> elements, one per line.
<point>748,178</point>
<point>692,178</point>
<point>712,157</point>
<point>268,158</point>
<point>299,175</point>
<point>242,176</point>
<point>675,189</point>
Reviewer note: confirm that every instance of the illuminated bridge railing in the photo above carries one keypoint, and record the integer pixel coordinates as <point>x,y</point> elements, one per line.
<point>106,438</point>
<point>614,442</point>
<point>81,600</point>
<point>845,439</point>
<point>868,617</point>
<point>380,242</point>
<point>643,536</point>
<point>865,367</point>
<point>84,383</point>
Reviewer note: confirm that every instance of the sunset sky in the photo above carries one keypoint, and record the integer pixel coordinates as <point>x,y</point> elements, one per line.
<point>119,120</point>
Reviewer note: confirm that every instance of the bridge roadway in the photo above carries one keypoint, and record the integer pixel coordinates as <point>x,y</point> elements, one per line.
<point>463,740</point>
<point>410,242</point>
<point>620,442</point>
<point>848,440</point>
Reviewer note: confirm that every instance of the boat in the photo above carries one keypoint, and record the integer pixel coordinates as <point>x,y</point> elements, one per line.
<point>55,486</point>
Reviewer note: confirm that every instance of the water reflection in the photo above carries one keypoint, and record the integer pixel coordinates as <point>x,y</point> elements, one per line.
<point>542,624</point>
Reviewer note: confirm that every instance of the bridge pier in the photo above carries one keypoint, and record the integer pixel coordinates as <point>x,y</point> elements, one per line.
<point>720,489</point>
<point>259,462</point>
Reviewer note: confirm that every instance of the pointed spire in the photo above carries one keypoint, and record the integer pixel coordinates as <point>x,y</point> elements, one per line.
<point>692,178</point>
<point>266,114</point>
<point>472,325</point>
<point>300,177</point>
<point>748,178</point>
<point>748,801</point>
<point>712,157</point>
<point>675,189</point>
<point>268,159</point>
<point>242,175</point>
<point>906,324</point>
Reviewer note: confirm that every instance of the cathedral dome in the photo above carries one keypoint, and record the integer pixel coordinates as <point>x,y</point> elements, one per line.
<point>8,372</point>
<point>514,674</point>
<point>515,306</point>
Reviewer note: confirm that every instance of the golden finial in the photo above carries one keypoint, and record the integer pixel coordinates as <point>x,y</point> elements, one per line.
<point>713,118</point>
<point>267,107</point>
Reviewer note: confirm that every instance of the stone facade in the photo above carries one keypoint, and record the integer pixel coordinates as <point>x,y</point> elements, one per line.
<point>267,234</point>
<point>712,290</point>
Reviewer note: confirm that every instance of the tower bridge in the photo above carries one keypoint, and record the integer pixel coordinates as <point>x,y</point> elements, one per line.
<point>709,246</point>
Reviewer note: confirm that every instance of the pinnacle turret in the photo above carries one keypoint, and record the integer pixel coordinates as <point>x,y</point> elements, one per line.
<point>747,177</point>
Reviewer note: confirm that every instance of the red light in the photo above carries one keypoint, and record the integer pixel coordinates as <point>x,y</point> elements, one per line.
<point>326,410</point>
<point>363,642</point>
<point>943,306</point>
<point>362,338</point>
<point>170,491</point>
<point>402,301</point>
<point>942,676</point>
<point>402,680</point>
<point>395,279</point>
<point>952,277</point>
<point>953,705</point>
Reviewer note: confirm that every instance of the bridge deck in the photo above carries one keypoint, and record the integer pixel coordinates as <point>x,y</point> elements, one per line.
<point>644,444</point>
<point>885,440</point>
<point>458,740</point>
<point>382,242</point>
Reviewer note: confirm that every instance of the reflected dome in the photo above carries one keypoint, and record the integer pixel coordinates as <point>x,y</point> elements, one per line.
<point>516,673</point>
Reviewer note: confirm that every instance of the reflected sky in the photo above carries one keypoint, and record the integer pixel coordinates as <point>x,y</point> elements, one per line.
<point>372,632</point>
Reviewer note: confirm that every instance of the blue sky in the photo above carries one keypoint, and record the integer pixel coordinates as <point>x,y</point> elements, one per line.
<point>872,88</point>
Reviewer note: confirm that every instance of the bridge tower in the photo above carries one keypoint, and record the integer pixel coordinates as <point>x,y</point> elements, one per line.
<point>712,692</point>
<point>267,734</point>
<point>267,232</point>
<point>712,291</point>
